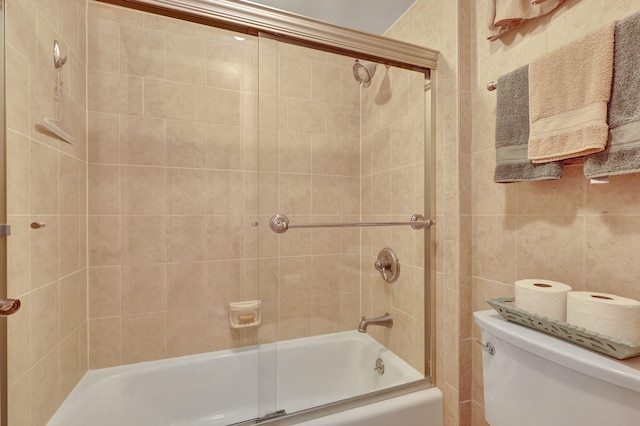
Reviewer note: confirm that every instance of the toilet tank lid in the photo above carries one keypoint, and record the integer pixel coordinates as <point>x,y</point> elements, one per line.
<point>620,373</point>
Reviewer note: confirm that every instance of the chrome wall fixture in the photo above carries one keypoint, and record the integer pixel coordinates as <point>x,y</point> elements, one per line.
<point>388,265</point>
<point>280,223</point>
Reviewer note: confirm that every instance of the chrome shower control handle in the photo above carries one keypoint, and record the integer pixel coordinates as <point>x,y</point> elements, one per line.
<point>388,265</point>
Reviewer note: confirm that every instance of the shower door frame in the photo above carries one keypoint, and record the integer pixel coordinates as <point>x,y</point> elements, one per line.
<point>253,19</point>
<point>3,219</point>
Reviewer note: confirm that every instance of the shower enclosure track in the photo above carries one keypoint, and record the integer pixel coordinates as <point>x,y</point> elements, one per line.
<point>280,223</point>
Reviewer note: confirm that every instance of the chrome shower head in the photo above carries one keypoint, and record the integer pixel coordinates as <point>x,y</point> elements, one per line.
<point>363,72</point>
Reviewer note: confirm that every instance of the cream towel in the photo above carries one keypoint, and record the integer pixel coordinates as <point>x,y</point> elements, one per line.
<point>568,93</point>
<point>505,15</point>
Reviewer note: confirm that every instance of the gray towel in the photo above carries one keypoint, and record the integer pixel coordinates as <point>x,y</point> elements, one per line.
<point>512,133</point>
<point>622,154</point>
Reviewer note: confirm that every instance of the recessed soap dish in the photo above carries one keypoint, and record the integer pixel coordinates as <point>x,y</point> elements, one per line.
<point>244,314</point>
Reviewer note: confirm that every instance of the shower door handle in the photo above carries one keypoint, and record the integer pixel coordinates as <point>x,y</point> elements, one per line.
<point>9,307</point>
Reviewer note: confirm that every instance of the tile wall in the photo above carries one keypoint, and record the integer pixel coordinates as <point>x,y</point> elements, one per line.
<point>47,267</point>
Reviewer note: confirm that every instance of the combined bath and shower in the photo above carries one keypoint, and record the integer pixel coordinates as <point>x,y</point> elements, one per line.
<point>363,72</point>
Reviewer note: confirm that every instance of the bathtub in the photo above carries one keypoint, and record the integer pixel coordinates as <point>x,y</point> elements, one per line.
<point>232,386</point>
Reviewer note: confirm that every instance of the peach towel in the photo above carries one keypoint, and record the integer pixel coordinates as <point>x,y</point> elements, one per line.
<point>568,93</point>
<point>508,14</point>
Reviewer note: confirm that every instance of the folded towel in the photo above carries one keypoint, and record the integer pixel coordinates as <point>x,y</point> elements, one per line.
<point>568,93</point>
<point>507,14</point>
<point>512,132</point>
<point>622,154</point>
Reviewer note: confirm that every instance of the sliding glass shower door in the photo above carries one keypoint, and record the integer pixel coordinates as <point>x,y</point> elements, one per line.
<point>337,150</point>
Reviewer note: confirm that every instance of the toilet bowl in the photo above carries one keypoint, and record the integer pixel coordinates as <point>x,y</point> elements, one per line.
<point>533,379</point>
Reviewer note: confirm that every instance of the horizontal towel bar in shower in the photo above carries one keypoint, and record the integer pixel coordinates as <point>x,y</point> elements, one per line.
<point>491,86</point>
<point>280,223</point>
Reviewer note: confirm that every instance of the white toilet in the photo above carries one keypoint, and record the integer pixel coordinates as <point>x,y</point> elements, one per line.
<point>533,379</point>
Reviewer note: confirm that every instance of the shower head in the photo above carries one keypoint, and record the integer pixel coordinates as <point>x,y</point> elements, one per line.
<point>363,72</point>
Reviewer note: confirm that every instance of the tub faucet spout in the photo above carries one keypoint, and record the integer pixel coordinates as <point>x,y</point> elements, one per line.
<point>384,320</point>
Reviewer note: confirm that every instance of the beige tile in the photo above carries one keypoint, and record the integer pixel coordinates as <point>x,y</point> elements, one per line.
<point>104,292</point>
<point>186,144</point>
<point>343,121</point>
<point>105,342</point>
<point>117,93</point>
<point>104,194</point>
<point>72,176</point>
<point>18,263</point>
<point>186,192</point>
<point>327,155</point>
<point>142,52</point>
<point>21,18</point>
<point>17,87</point>
<point>143,337</point>
<point>70,366</point>
<point>614,198</point>
<point>18,341</point>
<point>43,178</point>
<point>141,190</point>
<point>186,285</point>
<point>323,278</point>
<point>18,171</point>
<point>115,14</point>
<point>186,334</point>
<point>19,399</point>
<point>325,83</point>
<point>494,248</point>
<point>142,141</point>
<point>186,238</point>
<point>225,237</point>
<point>72,244</point>
<point>143,289</point>
<point>44,251</point>
<point>325,197</point>
<point>170,25</point>
<point>224,65</point>
<point>104,45</point>
<point>45,321</point>
<point>294,152</point>
<point>539,254</point>
<point>224,284</point>
<point>305,116</point>
<point>295,194</point>
<point>295,317</point>
<point>608,242</point>
<point>224,147</point>
<point>324,319</point>
<point>143,239</point>
<point>104,138</point>
<point>68,24</point>
<point>45,397</point>
<point>225,192</point>
<point>403,296</point>
<point>564,196</point>
<point>221,336</point>
<point>402,190</point>
<point>186,59</point>
<point>73,303</point>
<point>294,77</point>
<point>219,106</point>
<point>104,240</point>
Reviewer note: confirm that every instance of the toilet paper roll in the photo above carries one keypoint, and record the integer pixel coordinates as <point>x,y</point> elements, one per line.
<point>542,297</point>
<point>606,314</point>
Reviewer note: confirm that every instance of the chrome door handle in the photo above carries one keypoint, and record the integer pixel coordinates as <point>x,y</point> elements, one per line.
<point>9,306</point>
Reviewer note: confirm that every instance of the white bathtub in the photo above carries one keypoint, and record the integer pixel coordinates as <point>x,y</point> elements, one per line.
<point>225,387</point>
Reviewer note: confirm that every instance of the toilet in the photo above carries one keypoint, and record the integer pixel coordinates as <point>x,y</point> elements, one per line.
<point>533,379</point>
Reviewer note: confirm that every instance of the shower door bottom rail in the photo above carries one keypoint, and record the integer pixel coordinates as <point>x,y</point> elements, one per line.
<point>280,223</point>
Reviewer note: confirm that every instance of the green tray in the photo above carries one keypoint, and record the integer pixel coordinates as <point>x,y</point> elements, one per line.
<point>571,333</point>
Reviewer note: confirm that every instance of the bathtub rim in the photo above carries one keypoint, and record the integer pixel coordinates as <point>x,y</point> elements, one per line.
<point>344,404</point>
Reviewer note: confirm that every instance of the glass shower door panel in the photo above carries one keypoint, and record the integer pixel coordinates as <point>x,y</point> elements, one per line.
<point>335,149</point>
